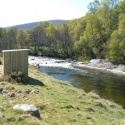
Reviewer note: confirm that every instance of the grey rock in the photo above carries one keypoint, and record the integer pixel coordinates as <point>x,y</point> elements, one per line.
<point>108,65</point>
<point>23,95</point>
<point>11,94</point>
<point>18,91</point>
<point>100,63</point>
<point>1,89</point>
<point>4,91</point>
<point>38,66</point>
<point>34,92</point>
<point>29,108</point>
<point>27,91</point>
<point>95,61</point>
<point>26,98</point>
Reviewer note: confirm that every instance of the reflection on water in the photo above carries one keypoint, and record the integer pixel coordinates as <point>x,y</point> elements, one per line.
<point>106,85</point>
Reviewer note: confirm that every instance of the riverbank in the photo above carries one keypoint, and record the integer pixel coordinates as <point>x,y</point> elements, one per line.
<point>103,82</point>
<point>58,103</point>
<point>102,65</point>
<point>96,64</point>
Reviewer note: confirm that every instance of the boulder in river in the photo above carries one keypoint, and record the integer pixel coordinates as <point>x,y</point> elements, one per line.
<point>95,61</point>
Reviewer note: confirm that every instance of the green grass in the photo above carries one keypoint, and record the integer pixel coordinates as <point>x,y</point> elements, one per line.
<point>58,103</point>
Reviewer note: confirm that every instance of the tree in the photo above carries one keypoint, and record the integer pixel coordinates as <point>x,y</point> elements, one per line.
<point>65,45</point>
<point>51,39</point>
<point>10,38</point>
<point>95,35</point>
<point>117,42</point>
<point>22,39</point>
<point>38,38</point>
<point>83,49</point>
<point>76,29</point>
<point>1,39</point>
<point>93,6</point>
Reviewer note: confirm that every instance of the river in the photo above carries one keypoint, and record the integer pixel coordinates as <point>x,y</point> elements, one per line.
<point>106,85</point>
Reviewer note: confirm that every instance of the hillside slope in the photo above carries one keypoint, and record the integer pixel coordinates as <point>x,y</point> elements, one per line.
<point>34,24</point>
<point>58,103</point>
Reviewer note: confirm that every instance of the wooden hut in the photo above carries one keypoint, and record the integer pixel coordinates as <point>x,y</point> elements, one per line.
<point>15,61</point>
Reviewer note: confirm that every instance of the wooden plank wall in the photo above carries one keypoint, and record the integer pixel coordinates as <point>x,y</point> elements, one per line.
<point>15,61</point>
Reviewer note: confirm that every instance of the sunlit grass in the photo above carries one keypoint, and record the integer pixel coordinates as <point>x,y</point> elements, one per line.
<point>58,103</point>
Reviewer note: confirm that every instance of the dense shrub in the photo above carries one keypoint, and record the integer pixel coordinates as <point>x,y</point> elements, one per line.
<point>17,77</point>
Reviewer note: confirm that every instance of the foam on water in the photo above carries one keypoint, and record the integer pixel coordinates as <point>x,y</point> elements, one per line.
<point>51,62</point>
<point>42,61</point>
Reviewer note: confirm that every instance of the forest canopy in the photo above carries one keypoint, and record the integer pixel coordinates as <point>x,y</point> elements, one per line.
<point>98,34</point>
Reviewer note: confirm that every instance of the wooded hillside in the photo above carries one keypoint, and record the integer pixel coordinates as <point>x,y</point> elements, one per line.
<point>99,34</point>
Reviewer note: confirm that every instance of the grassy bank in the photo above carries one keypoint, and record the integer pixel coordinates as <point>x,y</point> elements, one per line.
<point>58,103</point>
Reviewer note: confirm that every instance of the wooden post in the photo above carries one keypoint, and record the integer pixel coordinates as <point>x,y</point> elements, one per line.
<point>15,60</point>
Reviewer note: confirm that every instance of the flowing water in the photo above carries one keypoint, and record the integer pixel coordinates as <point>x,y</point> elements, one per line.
<point>107,85</point>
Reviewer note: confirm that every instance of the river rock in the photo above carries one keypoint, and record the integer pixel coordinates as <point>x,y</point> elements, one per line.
<point>108,65</point>
<point>100,63</point>
<point>37,66</point>
<point>29,108</point>
<point>121,68</point>
<point>95,61</point>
